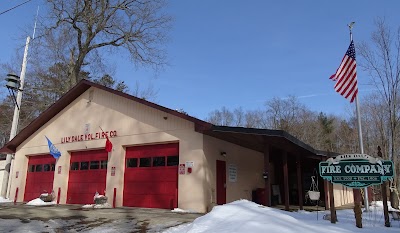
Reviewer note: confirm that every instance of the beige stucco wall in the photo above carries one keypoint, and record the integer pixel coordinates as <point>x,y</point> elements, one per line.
<point>248,164</point>
<point>342,195</point>
<point>2,167</point>
<point>136,124</point>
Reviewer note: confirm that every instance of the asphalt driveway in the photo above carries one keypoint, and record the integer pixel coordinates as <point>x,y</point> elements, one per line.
<point>72,218</point>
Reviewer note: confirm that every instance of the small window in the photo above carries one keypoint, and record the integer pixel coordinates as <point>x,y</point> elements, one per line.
<point>31,168</point>
<point>103,164</point>
<point>131,162</point>
<point>158,161</point>
<point>53,166</point>
<point>75,166</point>
<point>172,160</point>
<point>94,165</point>
<point>38,168</point>
<point>84,165</point>
<point>145,162</point>
<point>46,167</point>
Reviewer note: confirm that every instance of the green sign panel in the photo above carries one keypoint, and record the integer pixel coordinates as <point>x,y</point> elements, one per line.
<point>356,173</point>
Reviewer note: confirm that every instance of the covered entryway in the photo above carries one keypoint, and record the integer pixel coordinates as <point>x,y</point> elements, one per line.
<point>87,175</point>
<point>151,176</point>
<point>40,176</point>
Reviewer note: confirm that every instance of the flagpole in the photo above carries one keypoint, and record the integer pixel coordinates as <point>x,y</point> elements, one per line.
<point>14,126</point>
<point>360,137</point>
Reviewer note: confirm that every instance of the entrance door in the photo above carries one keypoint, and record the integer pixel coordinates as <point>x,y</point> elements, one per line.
<point>221,182</point>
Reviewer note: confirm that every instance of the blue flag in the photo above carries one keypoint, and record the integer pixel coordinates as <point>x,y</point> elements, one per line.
<point>53,150</point>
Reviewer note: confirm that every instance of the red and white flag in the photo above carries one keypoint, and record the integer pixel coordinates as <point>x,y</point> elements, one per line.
<point>108,144</point>
<point>346,75</point>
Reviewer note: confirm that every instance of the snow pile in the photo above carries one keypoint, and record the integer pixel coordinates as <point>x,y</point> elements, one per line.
<point>379,205</point>
<point>177,210</point>
<point>40,202</point>
<point>97,206</point>
<point>245,216</point>
<point>4,200</point>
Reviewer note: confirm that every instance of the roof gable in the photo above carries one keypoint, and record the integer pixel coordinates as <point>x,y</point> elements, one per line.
<point>73,94</point>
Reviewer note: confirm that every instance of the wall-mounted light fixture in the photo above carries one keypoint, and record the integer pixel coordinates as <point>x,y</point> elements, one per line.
<point>223,153</point>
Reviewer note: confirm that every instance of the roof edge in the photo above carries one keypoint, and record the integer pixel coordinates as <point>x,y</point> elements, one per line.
<point>267,132</point>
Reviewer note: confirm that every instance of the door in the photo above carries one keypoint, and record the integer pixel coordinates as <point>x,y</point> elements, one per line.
<point>87,175</point>
<point>40,176</point>
<point>151,176</point>
<point>221,182</point>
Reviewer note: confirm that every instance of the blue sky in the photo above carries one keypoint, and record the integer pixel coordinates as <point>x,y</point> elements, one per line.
<point>243,53</point>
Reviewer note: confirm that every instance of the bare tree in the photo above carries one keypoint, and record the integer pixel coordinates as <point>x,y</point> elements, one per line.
<point>255,119</point>
<point>221,117</point>
<point>382,62</point>
<point>138,27</point>
<point>147,93</point>
<point>375,127</point>
<point>283,113</point>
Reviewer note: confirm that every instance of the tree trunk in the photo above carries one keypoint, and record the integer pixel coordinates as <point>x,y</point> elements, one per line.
<point>72,75</point>
<point>394,199</point>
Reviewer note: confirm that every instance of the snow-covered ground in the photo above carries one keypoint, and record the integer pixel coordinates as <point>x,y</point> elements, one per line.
<point>240,216</point>
<point>4,200</point>
<point>245,216</point>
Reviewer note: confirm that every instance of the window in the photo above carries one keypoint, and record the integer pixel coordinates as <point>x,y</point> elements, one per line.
<point>46,167</point>
<point>145,162</point>
<point>38,168</point>
<point>172,160</point>
<point>84,165</point>
<point>131,162</point>
<point>31,168</point>
<point>53,166</point>
<point>94,165</point>
<point>75,166</point>
<point>103,164</point>
<point>158,161</point>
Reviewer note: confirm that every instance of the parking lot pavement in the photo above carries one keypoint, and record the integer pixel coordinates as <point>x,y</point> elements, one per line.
<point>77,219</point>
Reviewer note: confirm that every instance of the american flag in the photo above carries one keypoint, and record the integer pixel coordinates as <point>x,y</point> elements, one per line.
<point>346,75</point>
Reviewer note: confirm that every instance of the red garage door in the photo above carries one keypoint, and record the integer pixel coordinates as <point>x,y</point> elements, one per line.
<point>87,175</point>
<point>40,176</point>
<point>151,176</point>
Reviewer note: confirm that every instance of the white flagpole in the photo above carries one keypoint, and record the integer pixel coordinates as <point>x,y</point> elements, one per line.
<point>14,126</point>
<point>360,137</point>
<point>7,177</point>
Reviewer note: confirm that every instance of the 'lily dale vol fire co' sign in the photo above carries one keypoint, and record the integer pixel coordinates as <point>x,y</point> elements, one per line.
<point>356,170</point>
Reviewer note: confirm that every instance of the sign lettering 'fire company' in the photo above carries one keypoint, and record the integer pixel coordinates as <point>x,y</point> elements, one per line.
<point>356,170</point>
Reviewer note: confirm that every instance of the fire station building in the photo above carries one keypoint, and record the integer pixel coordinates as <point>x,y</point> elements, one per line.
<point>161,158</point>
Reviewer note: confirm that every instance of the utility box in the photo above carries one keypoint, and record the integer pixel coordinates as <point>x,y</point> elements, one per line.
<point>258,196</point>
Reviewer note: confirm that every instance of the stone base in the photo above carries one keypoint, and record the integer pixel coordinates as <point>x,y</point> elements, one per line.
<point>100,200</point>
<point>47,198</point>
